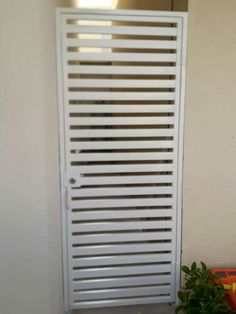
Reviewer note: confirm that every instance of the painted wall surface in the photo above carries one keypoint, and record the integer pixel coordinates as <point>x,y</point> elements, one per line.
<point>209,231</point>
<point>30,250</point>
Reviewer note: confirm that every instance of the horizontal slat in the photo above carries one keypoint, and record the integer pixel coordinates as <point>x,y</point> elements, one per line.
<point>99,215</point>
<point>126,168</point>
<point>121,133</point>
<point>121,96</point>
<point>121,292</point>
<point>103,203</point>
<point>121,271</point>
<point>121,57</point>
<point>112,226</point>
<point>122,248</point>
<point>119,260</point>
<point>107,180</point>
<point>121,43</point>
<point>121,83</point>
<point>121,282</point>
<point>124,15</point>
<point>110,108</point>
<point>125,301</point>
<point>122,30</point>
<point>121,191</point>
<point>121,70</point>
<point>121,156</point>
<point>98,145</point>
<point>121,121</point>
<point>121,108</point>
<point>121,237</point>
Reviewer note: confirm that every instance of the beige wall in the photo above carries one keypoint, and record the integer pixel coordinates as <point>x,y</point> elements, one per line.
<point>209,231</point>
<point>30,263</point>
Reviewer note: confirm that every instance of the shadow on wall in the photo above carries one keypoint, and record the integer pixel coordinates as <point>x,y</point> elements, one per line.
<point>165,5</point>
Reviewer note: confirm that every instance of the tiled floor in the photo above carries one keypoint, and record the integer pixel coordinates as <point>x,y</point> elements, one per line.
<point>139,309</point>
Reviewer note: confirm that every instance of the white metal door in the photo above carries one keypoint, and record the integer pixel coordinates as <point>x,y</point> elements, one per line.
<point>121,91</point>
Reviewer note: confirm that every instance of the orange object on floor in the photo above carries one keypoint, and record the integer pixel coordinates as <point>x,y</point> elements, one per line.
<point>227,276</point>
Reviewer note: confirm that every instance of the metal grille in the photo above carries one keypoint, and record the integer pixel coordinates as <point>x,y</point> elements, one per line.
<point>120,76</point>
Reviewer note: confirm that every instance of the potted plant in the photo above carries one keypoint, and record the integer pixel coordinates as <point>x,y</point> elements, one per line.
<point>200,294</point>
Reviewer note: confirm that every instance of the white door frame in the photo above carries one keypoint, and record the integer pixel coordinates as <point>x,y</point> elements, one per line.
<point>133,13</point>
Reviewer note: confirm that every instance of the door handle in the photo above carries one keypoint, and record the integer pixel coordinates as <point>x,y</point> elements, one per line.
<point>72,181</point>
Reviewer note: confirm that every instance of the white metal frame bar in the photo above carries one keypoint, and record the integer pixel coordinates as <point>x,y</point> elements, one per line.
<point>181,153</point>
<point>60,92</point>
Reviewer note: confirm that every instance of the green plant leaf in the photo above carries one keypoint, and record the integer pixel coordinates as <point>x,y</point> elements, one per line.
<point>193,266</point>
<point>185,269</point>
<point>179,308</point>
<point>200,294</point>
<point>204,267</point>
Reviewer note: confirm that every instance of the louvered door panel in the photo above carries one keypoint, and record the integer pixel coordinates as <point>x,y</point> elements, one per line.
<point>121,76</point>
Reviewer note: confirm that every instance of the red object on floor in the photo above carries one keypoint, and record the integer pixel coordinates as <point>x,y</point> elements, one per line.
<point>231,298</point>
<point>227,276</point>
